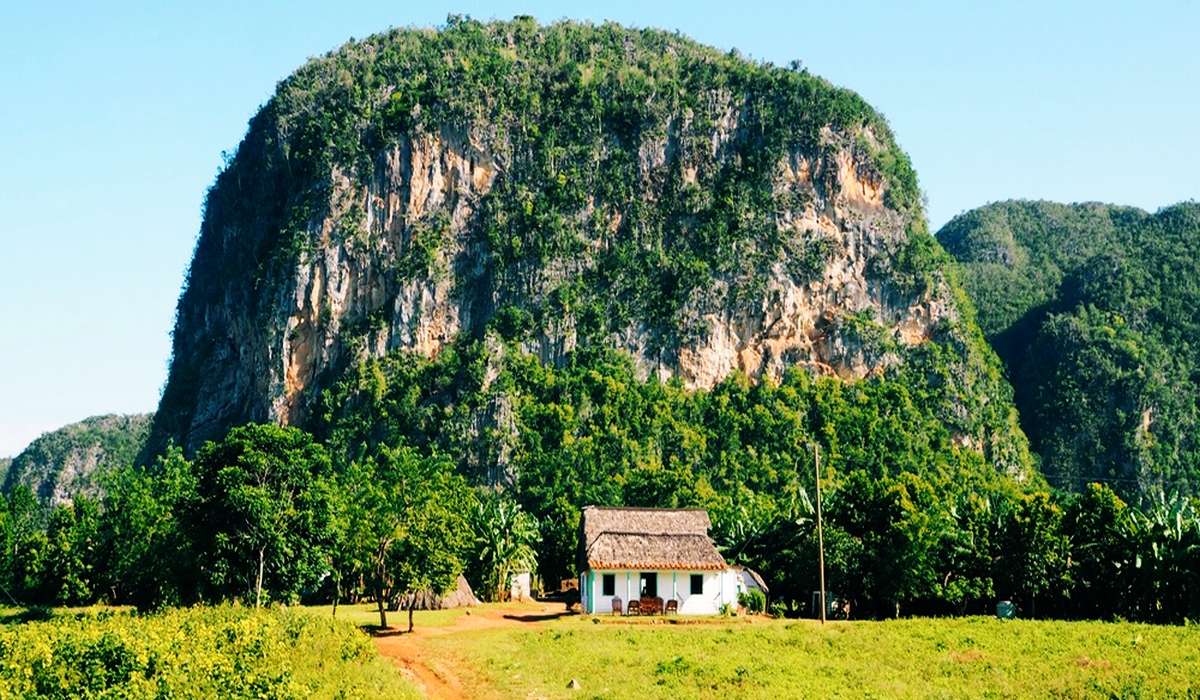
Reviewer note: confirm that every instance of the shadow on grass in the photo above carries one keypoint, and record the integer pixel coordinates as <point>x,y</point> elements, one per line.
<point>377,631</point>
<point>543,617</point>
<point>35,614</point>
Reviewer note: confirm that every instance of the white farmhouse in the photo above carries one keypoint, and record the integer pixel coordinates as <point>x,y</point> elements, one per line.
<point>652,553</point>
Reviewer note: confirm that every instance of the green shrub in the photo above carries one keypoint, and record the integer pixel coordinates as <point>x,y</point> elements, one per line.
<point>754,601</point>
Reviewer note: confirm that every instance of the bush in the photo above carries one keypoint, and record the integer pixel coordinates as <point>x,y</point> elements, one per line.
<point>755,601</point>
<point>224,652</point>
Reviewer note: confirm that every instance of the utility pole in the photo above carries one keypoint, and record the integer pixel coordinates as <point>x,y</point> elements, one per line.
<point>820,531</point>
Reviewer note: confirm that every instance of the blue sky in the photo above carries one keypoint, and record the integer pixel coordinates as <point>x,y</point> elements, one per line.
<point>113,117</point>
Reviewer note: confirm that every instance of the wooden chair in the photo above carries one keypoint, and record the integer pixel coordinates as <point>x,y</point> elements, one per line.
<point>672,606</point>
<point>651,605</point>
<point>616,606</point>
<point>634,608</point>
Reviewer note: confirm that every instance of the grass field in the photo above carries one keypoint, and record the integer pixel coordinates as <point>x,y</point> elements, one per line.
<point>516,650</point>
<point>917,658</point>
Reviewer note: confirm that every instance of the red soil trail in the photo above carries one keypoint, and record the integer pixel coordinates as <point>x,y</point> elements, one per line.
<point>444,678</point>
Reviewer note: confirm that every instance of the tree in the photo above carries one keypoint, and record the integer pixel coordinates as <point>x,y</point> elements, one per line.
<point>27,545</point>
<point>1033,549</point>
<point>143,547</point>
<point>505,537</point>
<point>409,524</point>
<point>892,520</point>
<point>964,552</point>
<point>71,535</point>
<point>260,516</point>
<point>430,555</point>
<point>1096,524</point>
<point>1164,574</point>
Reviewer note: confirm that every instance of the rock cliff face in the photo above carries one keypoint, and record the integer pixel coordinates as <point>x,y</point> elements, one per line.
<point>67,462</point>
<point>717,216</point>
<point>345,282</point>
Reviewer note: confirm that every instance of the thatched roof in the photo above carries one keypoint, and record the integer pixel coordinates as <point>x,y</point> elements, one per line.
<point>653,521</point>
<point>754,575</point>
<point>461,596</point>
<point>647,538</point>
<point>638,550</point>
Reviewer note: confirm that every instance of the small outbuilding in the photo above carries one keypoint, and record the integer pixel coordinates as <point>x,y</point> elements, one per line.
<point>652,553</point>
<point>750,580</point>
<point>461,596</point>
<point>521,586</point>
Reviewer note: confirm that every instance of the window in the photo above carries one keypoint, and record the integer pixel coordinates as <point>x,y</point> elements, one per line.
<point>697,584</point>
<point>649,584</point>
<point>609,584</point>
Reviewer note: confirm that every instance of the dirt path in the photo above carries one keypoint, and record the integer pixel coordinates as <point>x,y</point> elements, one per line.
<point>438,677</point>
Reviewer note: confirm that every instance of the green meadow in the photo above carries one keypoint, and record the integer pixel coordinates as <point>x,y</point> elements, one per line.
<point>910,658</point>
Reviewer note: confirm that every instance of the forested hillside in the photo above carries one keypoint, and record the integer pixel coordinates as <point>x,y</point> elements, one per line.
<point>69,461</point>
<point>1095,310</point>
<point>456,285</point>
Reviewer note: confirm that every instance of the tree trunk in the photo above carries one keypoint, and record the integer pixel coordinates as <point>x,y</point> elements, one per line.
<point>382,609</point>
<point>337,593</point>
<point>412,604</point>
<point>258,582</point>
<point>379,596</point>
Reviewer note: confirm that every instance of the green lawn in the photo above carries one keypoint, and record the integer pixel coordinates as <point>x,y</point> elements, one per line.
<point>943,658</point>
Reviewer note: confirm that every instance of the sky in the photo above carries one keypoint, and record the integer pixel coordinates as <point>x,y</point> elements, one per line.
<point>114,116</point>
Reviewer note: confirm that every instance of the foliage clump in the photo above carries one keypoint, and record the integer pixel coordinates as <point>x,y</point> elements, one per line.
<point>204,652</point>
<point>916,520</point>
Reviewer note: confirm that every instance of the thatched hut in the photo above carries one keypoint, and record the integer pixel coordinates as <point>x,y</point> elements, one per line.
<point>655,554</point>
<point>460,597</point>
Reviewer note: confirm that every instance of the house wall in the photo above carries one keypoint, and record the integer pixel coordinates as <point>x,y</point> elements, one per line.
<point>719,587</point>
<point>521,586</point>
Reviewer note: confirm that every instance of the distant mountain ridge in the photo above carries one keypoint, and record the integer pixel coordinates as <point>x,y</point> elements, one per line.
<point>1095,311</point>
<point>67,462</point>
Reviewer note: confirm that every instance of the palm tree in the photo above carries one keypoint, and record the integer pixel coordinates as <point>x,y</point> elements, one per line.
<point>504,536</point>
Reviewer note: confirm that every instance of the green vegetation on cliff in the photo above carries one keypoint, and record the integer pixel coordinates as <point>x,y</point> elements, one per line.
<point>73,459</point>
<point>1095,310</point>
<point>591,432</point>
